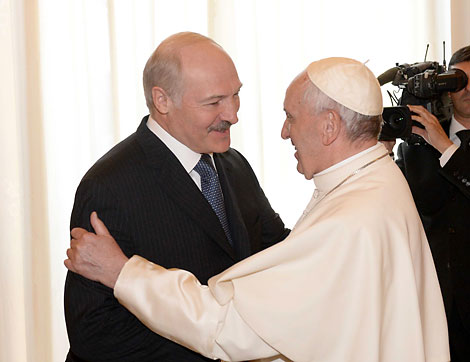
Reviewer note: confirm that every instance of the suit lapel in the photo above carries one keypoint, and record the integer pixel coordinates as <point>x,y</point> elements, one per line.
<point>237,226</point>
<point>178,185</point>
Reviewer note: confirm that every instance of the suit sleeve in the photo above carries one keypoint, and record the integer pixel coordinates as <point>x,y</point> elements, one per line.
<point>99,328</point>
<point>272,227</point>
<point>457,170</point>
<point>417,161</point>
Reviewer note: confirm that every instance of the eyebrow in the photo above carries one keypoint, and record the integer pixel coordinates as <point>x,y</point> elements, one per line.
<point>214,97</point>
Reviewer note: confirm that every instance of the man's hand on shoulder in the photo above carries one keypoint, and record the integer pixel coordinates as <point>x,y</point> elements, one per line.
<point>432,132</point>
<point>95,256</point>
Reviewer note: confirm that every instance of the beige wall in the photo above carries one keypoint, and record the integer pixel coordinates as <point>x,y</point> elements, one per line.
<point>460,24</point>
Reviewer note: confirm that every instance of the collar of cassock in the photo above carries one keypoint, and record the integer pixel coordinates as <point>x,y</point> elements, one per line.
<point>328,179</point>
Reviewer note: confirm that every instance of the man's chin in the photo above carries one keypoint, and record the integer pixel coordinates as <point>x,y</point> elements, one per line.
<point>221,146</point>
<point>302,172</point>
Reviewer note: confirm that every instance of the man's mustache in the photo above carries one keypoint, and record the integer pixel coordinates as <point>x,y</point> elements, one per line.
<point>220,127</point>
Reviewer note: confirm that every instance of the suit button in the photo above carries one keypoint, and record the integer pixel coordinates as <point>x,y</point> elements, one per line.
<point>464,180</point>
<point>451,230</point>
<point>467,184</point>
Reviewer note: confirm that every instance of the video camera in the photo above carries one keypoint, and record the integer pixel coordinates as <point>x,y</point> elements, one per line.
<point>426,84</point>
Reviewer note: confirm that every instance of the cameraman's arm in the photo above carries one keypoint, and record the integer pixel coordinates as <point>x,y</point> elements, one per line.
<point>454,160</point>
<point>457,169</point>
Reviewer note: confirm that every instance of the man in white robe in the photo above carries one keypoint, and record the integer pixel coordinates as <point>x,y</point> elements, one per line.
<point>354,281</point>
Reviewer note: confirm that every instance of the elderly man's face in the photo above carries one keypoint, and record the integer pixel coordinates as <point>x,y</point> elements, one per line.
<point>461,99</point>
<point>303,129</point>
<point>210,100</point>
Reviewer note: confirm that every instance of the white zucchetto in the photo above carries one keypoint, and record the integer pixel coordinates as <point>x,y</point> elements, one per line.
<point>348,82</point>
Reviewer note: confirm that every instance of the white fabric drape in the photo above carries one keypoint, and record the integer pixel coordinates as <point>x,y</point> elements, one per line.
<point>70,88</point>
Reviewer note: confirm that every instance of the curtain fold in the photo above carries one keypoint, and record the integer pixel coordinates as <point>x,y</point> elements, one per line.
<point>14,278</point>
<point>71,87</point>
<point>37,246</point>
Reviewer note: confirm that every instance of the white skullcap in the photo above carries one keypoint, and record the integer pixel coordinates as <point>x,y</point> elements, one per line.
<point>349,83</point>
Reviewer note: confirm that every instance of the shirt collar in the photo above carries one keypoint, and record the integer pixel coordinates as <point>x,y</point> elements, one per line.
<point>187,157</point>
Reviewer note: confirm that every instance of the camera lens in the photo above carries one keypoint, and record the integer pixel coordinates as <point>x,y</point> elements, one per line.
<point>396,121</point>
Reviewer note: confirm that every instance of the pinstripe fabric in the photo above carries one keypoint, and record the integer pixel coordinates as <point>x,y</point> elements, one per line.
<point>154,209</point>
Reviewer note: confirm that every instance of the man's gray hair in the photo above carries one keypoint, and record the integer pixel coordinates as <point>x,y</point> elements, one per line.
<point>358,126</point>
<point>163,68</point>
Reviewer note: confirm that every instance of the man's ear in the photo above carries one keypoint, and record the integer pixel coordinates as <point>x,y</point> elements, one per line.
<point>161,100</point>
<point>331,127</point>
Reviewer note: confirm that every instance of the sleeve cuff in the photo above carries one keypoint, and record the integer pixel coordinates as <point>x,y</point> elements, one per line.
<point>447,154</point>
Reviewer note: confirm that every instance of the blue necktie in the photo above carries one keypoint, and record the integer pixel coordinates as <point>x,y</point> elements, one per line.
<point>211,190</point>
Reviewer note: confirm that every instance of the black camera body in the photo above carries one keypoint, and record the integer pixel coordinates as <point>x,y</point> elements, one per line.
<point>427,84</point>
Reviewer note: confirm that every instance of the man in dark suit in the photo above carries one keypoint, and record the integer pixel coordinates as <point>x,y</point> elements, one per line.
<point>438,173</point>
<point>148,191</point>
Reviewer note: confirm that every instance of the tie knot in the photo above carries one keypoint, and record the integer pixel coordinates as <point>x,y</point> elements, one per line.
<point>205,167</point>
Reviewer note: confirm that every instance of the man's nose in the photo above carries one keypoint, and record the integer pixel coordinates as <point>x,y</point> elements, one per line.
<point>285,131</point>
<point>230,112</point>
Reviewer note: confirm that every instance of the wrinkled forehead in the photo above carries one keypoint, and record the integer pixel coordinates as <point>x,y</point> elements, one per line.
<point>295,93</point>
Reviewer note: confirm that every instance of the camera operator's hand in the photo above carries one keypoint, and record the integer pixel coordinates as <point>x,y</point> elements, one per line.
<point>432,132</point>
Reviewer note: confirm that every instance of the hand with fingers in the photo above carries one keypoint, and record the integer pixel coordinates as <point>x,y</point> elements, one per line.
<point>95,256</point>
<point>432,132</point>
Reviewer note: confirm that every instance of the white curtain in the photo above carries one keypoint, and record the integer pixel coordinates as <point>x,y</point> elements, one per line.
<point>70,75</point>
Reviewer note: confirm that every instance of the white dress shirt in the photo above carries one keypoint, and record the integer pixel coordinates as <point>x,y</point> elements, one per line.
<point>455,126</point>
<point>187,157</point>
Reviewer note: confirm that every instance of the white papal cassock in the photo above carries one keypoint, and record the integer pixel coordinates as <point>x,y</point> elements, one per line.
<point>354,281</point>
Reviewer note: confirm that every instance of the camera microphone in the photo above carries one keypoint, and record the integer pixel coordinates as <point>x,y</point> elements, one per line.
<point>388,76</point>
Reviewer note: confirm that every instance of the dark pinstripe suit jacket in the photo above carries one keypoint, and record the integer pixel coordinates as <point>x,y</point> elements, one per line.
<point>153,208</point>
